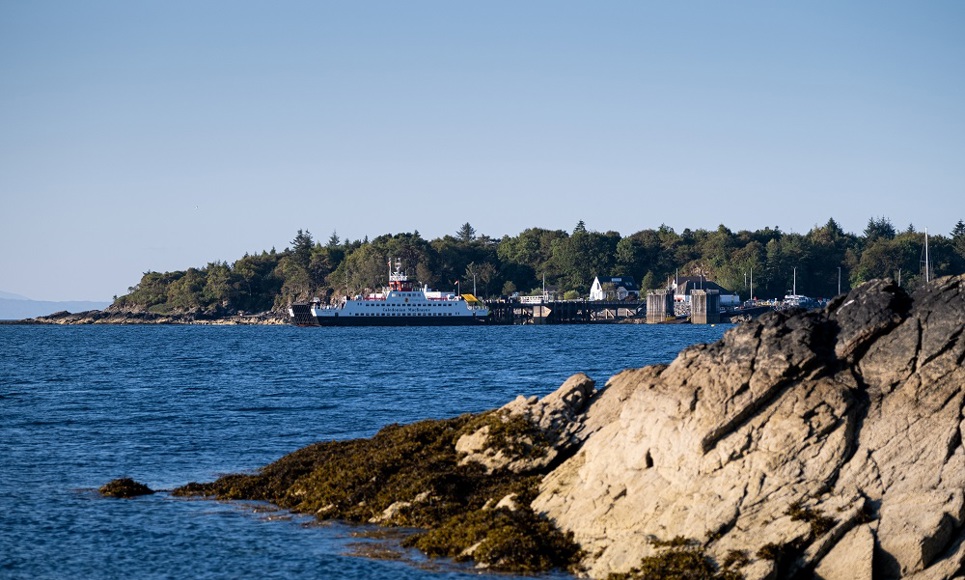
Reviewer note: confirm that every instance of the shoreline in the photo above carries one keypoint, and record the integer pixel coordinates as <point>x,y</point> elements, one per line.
<point>145,318</point>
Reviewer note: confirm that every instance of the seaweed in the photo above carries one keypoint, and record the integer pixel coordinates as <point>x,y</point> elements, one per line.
<point>682,559</point>
<point>124,487</point>
<point>410,475</point>
<point>820,524</point>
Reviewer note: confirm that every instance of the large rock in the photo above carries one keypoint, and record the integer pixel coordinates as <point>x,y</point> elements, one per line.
<point>541,430</point>
<point>802,441</point>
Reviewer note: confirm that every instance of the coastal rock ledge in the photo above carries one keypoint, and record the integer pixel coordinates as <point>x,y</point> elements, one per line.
<point>824,444</point>
<point>820,444</point>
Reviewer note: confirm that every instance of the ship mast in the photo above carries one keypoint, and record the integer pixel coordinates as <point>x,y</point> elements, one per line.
<point>397,279</point>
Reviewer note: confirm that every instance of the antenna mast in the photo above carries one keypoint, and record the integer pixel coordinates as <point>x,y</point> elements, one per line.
<point>927,274</point>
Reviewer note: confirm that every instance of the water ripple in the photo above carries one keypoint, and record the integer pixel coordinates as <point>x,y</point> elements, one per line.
<point>168,405</point>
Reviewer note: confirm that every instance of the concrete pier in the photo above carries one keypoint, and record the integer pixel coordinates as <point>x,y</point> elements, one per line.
<point>659,306</point>
<point>704,306</point>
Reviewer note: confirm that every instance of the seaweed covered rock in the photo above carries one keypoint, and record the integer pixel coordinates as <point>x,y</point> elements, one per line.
<point>827,441</point>
<point>529,434</point>
<point>124,488</point>
<point>412,475</point>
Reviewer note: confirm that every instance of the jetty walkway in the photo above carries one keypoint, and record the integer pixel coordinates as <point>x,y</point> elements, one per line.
<point>563,312</point>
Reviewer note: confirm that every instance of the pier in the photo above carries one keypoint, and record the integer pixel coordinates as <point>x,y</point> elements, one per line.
<point>659,306</point>
<point>705,306</point>
<point>563,312</point>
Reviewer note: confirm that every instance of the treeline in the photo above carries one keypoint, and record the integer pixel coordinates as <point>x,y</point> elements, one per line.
<point>567,262</point>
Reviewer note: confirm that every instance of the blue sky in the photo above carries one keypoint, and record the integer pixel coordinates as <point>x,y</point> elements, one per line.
<point>140,136</point>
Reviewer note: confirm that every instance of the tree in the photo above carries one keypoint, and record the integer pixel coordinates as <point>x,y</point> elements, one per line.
<point>466,233</point>
<point>647,283</point>
<point>958,239</point>
<point>530,252</point>
<point>258,283</point>
<point>877,229</point>
<point>583,256</point>
<point>333,241</point>
<point>301,249</point>
<point>884,258</point>
<point>480,275</point>
<point>827,251</point>
<point>217,286</point>
<point>486,272</point>
<point>185,292</point>
<point>629,255</point>
<point>833,229</point>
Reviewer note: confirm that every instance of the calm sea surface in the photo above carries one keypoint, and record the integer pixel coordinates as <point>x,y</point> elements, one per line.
<point>167,405</point>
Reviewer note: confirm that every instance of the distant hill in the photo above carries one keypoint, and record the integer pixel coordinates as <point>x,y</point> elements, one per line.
<point>17,308</point>
<point>12,296</point>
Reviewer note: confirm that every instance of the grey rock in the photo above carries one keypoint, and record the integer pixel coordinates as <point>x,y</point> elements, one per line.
<point>835,436</point>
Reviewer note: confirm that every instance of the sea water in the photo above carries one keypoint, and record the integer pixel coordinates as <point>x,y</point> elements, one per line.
<point>167,405</point>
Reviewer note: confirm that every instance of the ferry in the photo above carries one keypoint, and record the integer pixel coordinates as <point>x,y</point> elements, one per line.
<point>400,304</point>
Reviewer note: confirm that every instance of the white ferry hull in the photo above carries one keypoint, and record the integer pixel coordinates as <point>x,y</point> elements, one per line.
<point>399,305</point>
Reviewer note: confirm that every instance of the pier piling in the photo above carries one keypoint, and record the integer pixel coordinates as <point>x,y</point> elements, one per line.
<point>705,306</point>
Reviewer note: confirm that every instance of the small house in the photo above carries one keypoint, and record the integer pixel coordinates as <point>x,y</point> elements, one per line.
<point>684,285</point>
<point>614,288</point>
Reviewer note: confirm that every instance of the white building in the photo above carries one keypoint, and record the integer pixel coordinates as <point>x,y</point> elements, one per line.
<point>614,288</point>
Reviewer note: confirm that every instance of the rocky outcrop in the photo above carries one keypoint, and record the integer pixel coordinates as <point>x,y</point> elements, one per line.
<point>545,430</point>
<point>124,487</point>
<point>825,443</point>
<point>114,316</point>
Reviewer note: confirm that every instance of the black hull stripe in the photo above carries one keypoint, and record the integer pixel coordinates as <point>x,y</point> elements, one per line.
<point>399,321</point>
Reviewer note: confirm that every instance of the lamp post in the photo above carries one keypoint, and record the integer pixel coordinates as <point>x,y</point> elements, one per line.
<point>839,280</point>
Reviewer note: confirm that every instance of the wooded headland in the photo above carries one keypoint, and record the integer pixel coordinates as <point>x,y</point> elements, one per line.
<point>821,261</point>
